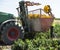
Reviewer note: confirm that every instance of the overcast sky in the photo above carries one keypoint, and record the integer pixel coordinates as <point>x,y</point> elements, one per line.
<point>10,6</point>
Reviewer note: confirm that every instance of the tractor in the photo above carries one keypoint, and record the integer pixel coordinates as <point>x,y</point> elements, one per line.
<point>12,28</point>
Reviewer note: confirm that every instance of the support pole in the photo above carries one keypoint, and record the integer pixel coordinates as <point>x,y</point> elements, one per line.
<point>51,32</point>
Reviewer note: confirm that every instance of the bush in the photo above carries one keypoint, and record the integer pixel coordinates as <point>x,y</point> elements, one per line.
<point>41,41</point>
<point>36,44</point>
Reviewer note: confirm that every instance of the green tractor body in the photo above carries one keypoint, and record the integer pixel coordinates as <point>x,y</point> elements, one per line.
<point>5,16</point>
<point>10,28</point>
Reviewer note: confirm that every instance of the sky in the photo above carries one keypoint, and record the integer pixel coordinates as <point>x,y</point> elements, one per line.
<point>10,6</point>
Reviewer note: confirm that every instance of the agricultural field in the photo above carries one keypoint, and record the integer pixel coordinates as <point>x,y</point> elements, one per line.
<point>41,41</point>
<point>57,21</point>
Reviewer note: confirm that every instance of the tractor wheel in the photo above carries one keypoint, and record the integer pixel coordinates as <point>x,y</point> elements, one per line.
<point>11,32</point>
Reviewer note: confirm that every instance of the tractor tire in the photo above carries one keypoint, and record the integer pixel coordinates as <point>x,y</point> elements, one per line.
<point>11,32</point>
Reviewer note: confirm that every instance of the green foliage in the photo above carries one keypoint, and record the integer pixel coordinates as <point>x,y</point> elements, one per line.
<point>19,44</point>
<point>57,30</point>
<point>36,44</point>
<point>41,41</point>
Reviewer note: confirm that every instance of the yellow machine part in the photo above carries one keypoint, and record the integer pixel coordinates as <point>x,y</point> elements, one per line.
<point>38,16</point>
<point>47,9</point>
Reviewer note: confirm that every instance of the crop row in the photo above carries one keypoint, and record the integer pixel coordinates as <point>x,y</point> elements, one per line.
<point>41,41</point>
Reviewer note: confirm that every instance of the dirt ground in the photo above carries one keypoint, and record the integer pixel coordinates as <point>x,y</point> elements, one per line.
<point>5,47</point>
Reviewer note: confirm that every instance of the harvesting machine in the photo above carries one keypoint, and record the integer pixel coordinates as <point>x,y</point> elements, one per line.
<point>33,21</point>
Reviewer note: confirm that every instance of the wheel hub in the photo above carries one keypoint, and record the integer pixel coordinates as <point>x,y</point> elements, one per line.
<point>13,33</point>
